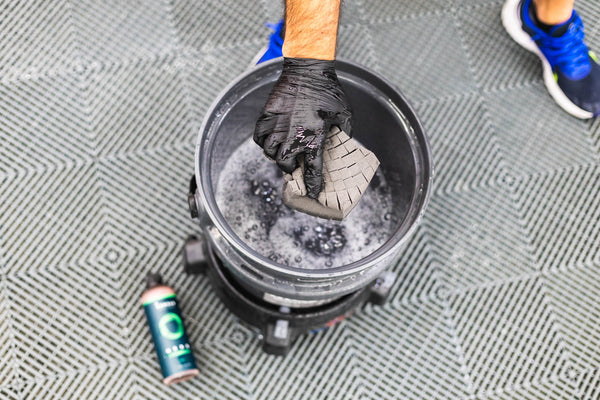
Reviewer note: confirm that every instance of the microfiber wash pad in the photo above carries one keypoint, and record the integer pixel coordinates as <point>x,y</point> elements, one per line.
<point>348,168</point>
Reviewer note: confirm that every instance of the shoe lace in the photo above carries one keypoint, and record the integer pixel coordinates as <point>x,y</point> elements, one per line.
<point>568,50</point>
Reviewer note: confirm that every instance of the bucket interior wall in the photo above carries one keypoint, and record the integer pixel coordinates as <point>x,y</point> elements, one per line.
<point>378,124</point>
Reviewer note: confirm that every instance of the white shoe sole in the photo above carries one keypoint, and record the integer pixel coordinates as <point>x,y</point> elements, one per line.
<point>257,57</point>
<point>512,23</point>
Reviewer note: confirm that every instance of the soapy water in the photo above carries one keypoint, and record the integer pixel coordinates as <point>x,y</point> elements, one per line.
<point>249,197</point>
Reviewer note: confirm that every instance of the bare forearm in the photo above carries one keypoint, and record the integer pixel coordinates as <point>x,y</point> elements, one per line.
<point>311,28</point>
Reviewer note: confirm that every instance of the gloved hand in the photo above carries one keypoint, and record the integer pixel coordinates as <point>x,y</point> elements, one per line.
<point>305,103</point>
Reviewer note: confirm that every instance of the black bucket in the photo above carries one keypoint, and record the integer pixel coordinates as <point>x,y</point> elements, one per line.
<point>383,121</point>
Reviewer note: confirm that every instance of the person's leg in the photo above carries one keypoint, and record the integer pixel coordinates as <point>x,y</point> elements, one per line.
<point>553,30</point>
<point>553,12</point>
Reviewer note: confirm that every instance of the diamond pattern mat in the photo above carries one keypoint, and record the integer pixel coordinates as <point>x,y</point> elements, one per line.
<point>110,32</point>
<point>509,335</point>
<point>33,142</point>
<point>323,365</point>
<point>100,105</point>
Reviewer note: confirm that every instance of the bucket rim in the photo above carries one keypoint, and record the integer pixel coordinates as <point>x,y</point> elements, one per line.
<point>271,69</point>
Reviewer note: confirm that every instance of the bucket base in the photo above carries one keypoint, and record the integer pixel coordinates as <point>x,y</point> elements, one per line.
<point>279,326</point>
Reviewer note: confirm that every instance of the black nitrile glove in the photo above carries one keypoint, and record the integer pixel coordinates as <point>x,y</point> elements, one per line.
<point>302,107</point>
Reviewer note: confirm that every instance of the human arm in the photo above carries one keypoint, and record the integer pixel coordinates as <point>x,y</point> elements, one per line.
<point>307,99</point>
<point>311,29</point>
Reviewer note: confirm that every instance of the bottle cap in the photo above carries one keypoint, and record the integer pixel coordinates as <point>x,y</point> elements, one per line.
<point>153,279</point>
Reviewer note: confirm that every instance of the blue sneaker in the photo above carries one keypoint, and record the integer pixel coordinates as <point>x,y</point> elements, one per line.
<point>273,50</point>
<point>571,71</point>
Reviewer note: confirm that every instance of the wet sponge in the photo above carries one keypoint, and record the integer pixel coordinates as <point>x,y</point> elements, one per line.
<point>348,168</point>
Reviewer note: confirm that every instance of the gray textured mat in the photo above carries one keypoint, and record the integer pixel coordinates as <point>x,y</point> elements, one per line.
<point>100,104</point>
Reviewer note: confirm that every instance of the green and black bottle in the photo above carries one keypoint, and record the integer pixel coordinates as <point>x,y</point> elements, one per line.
<point>174,350</point>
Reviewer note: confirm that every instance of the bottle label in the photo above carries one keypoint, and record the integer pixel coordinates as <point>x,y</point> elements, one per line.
<point>170,340</point>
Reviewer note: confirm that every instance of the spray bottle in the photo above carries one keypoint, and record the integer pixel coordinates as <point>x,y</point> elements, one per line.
<point>166,325</point>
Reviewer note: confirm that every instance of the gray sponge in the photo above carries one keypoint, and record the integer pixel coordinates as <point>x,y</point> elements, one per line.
<point>348,168</point>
